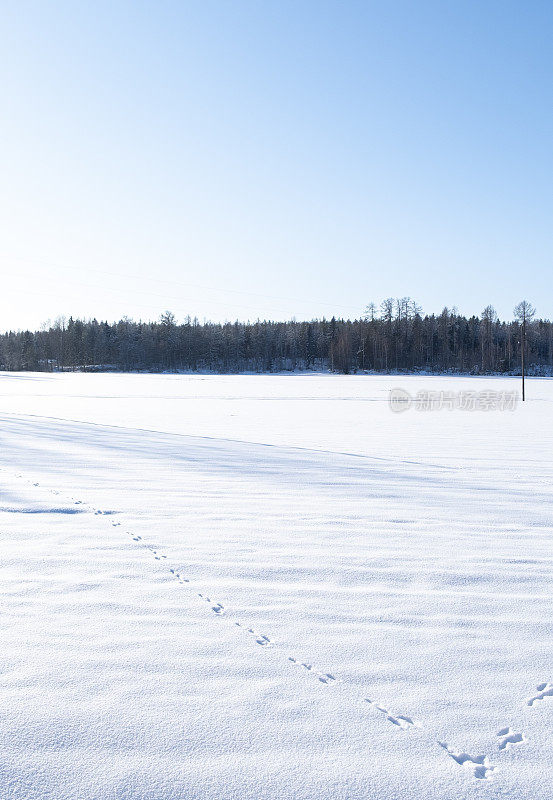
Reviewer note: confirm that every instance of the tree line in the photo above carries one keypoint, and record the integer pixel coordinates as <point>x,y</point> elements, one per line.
<point>393,337</point>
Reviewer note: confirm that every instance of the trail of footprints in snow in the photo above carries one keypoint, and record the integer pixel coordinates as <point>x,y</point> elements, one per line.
<point>400,721</point>
<point>323,677</point>
<point>480,765</point>
<point>509,738</point>
<point>544,690</point>
<point>218,608</point>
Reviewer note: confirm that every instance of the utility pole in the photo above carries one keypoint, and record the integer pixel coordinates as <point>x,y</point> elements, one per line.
<point>523,348</point>
<point>524,312</point>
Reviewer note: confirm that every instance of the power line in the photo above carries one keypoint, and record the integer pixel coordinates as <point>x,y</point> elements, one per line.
<point>186,284</point>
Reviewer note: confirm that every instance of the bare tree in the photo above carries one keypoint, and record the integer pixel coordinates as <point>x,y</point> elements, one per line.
<point>524,312</point>
<point>370,312</point>
<point>387,316</point>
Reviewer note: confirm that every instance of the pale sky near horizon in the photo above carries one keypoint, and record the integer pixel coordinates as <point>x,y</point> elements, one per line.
<point>274,159</point>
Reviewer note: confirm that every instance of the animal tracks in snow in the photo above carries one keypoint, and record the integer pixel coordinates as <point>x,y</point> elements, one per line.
<point>219,609</point>
<point>157,555</point>
<point>544,690</point>
<point>177,575</point>
<point>323,677</point>
<point>402,722</point>
<point>216,607</point>
<point>260,638</point>
<point>509,738</point>
<point>480,766</point>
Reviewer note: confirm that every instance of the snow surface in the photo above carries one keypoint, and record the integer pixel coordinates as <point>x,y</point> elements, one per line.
<point>262,587</point>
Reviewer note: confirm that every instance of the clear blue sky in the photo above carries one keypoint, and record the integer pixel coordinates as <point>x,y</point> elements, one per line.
<point>274,159</point>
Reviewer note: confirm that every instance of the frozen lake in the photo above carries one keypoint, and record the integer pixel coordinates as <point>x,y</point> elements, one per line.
<point>262,587</point>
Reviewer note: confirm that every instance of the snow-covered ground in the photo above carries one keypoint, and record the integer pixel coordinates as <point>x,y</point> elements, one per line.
<point>273,587</point>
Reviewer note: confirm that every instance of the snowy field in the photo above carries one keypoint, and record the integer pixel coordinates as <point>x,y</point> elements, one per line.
<point>273,588</point>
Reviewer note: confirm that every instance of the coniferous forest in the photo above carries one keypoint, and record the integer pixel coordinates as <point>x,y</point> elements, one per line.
<point>394,337</point>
